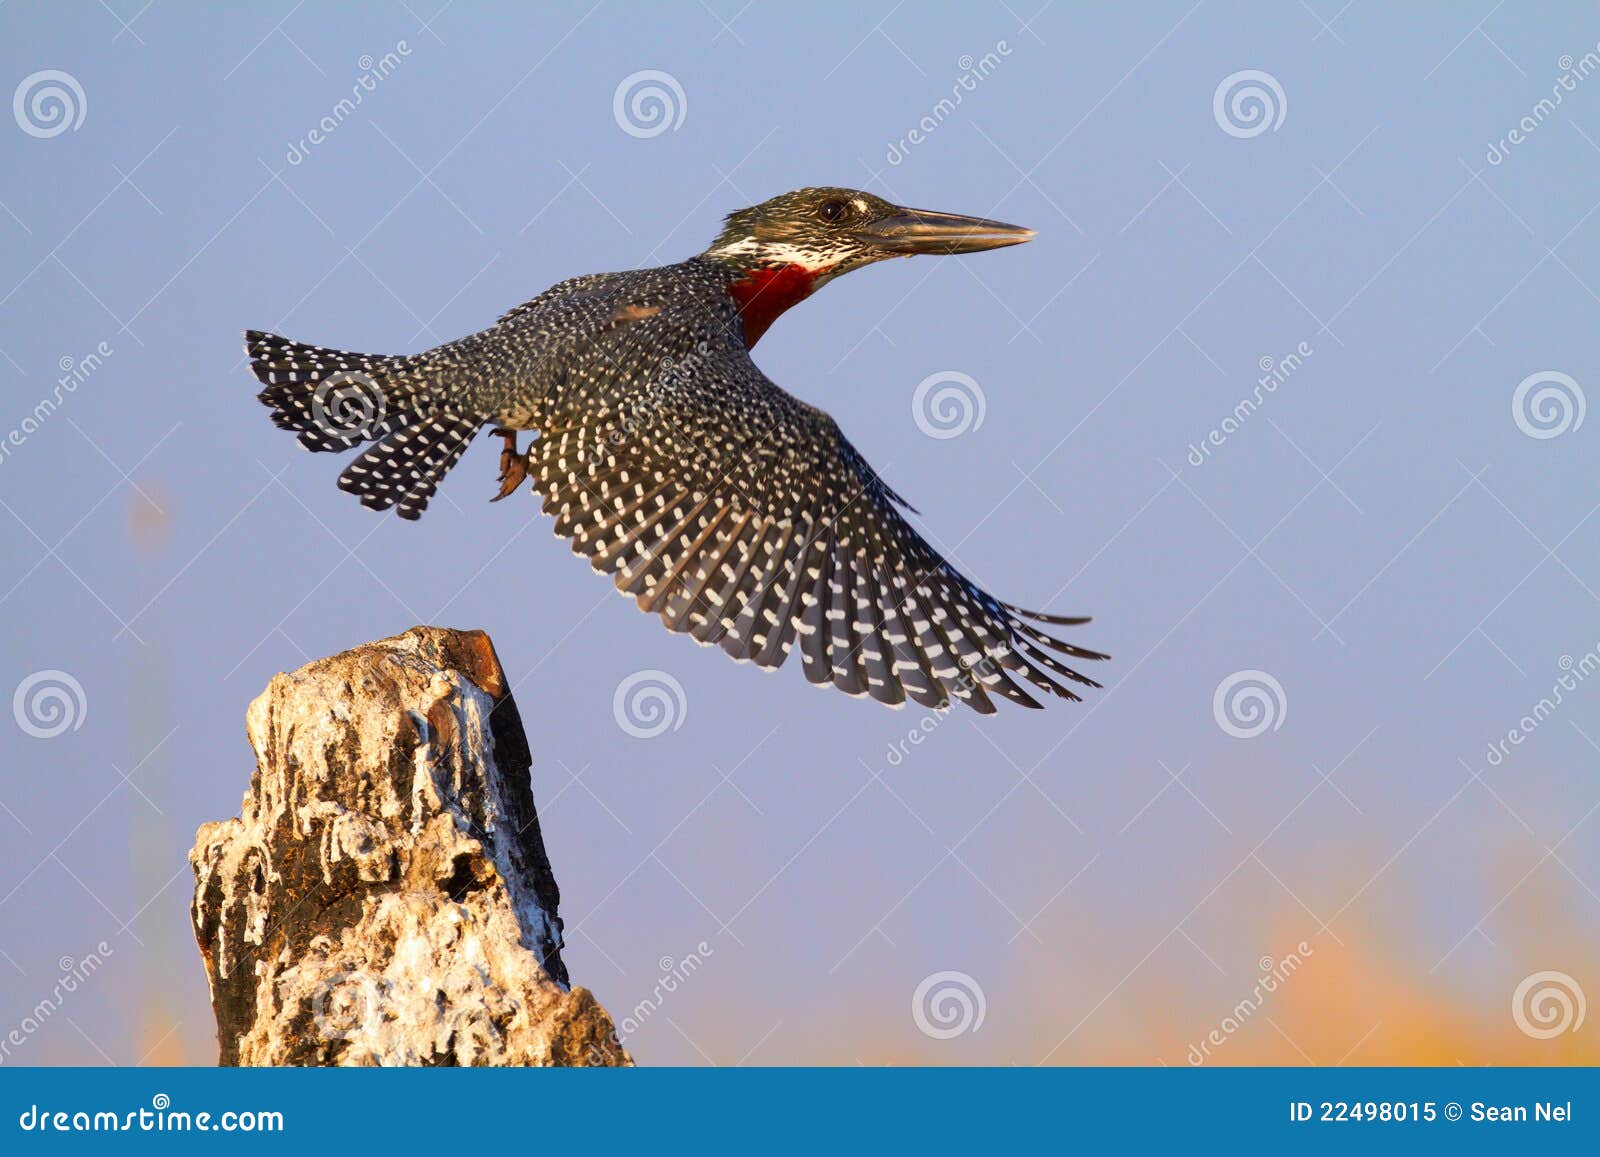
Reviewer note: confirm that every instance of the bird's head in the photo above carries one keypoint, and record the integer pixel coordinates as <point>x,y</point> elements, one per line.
<point>831,231</point>
<point>790,245</point>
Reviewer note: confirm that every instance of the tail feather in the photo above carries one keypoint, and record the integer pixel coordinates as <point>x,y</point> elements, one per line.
<point>334,400</point>
<point>404,469</point>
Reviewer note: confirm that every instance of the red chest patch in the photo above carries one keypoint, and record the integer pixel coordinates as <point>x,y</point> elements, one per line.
<point>763,294</point>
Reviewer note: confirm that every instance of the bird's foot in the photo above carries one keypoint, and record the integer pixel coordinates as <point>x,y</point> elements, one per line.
<point>513,465</point>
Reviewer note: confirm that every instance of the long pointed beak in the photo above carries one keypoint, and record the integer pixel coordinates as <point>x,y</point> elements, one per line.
<point>910,231</point>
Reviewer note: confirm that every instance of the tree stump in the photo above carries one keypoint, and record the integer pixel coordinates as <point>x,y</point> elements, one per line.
<point>384,897</point>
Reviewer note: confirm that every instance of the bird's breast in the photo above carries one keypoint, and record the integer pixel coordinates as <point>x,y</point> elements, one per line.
<point>763,294</point>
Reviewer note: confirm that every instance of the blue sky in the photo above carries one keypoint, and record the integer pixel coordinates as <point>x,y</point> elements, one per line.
<point>1379,534</point>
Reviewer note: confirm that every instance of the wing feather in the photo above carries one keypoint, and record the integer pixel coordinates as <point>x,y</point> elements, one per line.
<point>744,517</point>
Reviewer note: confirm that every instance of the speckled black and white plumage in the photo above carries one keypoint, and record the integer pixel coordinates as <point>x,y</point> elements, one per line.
<point>726,506</point>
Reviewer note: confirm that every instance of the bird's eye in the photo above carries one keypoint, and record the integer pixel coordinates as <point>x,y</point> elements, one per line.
<point>832,211</point>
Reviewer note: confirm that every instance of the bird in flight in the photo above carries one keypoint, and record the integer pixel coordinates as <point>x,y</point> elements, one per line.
<point>733,510</point>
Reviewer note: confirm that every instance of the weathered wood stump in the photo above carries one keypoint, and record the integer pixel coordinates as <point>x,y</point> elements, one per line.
<point>384,897</point>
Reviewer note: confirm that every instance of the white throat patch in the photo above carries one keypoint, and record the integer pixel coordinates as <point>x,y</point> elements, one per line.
<point>783,253</point>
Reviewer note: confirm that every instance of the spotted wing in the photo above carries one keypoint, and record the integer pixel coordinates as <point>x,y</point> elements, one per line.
<point>744,517</point>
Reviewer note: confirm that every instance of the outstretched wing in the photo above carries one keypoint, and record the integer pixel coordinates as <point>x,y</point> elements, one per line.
<point>744,517</point>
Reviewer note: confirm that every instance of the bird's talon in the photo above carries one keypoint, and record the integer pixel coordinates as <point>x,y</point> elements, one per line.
<point>513,466</point>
